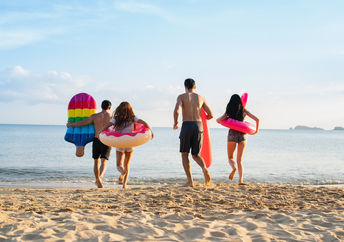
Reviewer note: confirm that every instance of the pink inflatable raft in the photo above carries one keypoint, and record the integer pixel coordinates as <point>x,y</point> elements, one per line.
<point>244,127</point>
<point>139,136</point>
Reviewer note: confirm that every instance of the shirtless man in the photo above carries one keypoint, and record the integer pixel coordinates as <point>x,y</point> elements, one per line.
<point>99,150</point>
<point>191,134</point>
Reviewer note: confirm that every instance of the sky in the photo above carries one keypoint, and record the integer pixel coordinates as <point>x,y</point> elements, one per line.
<point>287,55</point>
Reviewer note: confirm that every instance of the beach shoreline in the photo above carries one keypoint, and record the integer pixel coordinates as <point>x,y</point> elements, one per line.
<point>173,213</point>
<point>113,184</point>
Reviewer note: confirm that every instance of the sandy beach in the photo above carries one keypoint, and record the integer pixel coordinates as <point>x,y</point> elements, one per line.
<point>173,213</point>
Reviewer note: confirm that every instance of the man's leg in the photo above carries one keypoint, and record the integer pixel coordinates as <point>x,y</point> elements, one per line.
<point>199,160</point>
<point>96,173</point>
<point>102,167</point>
<point>187,169</point>
<point>196,147</point>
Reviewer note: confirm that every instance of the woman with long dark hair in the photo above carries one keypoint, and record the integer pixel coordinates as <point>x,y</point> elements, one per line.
<point>124,120</point>
<point>236,139</point>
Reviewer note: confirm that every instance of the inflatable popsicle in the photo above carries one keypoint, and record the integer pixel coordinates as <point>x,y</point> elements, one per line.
<point>80,107</point>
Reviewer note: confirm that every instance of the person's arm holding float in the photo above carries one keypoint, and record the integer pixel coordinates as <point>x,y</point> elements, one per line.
<point>221,118</point>
<point>146,125</point>
<point>254,118</point>
<point>176,112</point>
<point>106,126</point>
<point>82,122</point>
<point>207,110</point>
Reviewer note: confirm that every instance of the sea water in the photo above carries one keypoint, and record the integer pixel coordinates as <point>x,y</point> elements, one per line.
<point>38,156</point>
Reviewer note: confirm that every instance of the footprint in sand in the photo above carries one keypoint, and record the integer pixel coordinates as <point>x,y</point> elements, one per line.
<point>193,233</point>
<point>217,234</point>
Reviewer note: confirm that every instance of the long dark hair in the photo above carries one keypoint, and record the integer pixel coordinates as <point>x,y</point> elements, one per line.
<point>123,114</point>
<point>234,109</point>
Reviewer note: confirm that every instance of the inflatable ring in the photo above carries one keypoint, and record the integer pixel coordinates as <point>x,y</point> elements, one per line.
<point>244,127</point>
<point>139,136</point>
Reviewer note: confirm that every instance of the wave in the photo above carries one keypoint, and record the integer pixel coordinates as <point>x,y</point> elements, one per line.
<point>57,177</point>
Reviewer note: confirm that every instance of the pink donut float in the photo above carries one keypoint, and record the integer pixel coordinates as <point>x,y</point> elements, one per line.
<point>138,136</point>
<point>244,127</point>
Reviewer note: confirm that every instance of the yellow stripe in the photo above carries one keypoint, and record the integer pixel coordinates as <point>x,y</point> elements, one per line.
<point>72,113</point>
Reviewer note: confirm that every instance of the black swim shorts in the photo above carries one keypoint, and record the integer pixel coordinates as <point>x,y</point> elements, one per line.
<point>99,150</point>
<point>191,137</point>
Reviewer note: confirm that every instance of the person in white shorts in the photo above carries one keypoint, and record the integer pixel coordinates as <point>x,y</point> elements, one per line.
<point>124,121</point>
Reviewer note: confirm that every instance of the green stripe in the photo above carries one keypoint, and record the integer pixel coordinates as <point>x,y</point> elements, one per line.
<point>76,119</point>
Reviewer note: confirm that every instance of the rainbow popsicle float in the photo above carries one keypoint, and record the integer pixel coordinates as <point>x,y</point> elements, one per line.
<point>80,107</point>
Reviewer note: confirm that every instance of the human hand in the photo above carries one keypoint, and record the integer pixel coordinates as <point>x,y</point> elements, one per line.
<point>257,128</point>
<point>68,124</point>
<point>175,126</point>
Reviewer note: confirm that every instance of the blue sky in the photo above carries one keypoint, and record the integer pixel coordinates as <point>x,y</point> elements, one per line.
<point>288,55</point>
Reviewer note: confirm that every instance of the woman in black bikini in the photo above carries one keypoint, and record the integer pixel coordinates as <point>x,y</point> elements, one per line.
<point>235,110</point>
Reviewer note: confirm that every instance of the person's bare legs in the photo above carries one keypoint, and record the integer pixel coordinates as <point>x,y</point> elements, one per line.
<point>199,160</point>
<point>102,167</point>
<point>187,169</point>
<point>119,162</point>
<point>96,173</point>
<point>230,151</point>
<point>240,153</point>
<point>127,159</point>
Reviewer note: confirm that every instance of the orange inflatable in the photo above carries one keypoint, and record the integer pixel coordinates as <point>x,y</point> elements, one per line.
<point>206,146</point>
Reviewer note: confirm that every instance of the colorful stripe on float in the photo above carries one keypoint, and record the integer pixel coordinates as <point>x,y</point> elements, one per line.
<point>75,115</point>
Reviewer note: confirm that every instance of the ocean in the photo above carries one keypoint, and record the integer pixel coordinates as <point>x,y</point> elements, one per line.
<point>38,156</point>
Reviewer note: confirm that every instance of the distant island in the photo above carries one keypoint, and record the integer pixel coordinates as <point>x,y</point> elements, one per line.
<point>303,127</point>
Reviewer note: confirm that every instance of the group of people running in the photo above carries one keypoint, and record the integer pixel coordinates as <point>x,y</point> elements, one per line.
<point>123,119</point>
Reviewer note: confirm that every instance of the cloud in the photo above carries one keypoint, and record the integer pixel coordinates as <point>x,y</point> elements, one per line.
<point>15,38</point>
<point>144,8</point>
<point>146,98</point>
<point>340,52</point>
<point>51,90</point>
<point>25,27</point>
<point>19,28</point>
<point>19,84</point>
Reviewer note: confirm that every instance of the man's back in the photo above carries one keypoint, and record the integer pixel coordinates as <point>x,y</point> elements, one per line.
<point>100,120</point>
<point>191,134</point>
<point>191,106</point>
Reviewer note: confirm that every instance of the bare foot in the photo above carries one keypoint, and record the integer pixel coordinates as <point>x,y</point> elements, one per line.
<point>120,179</point>
<point>188,184</point>
<point>99,183</point>
<point>242,183</point>
<point>124,186</point>
<point>232,174</point>
<point>207,178</point>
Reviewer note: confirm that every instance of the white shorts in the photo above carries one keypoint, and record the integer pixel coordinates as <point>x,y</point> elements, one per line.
<point>125,149</point>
